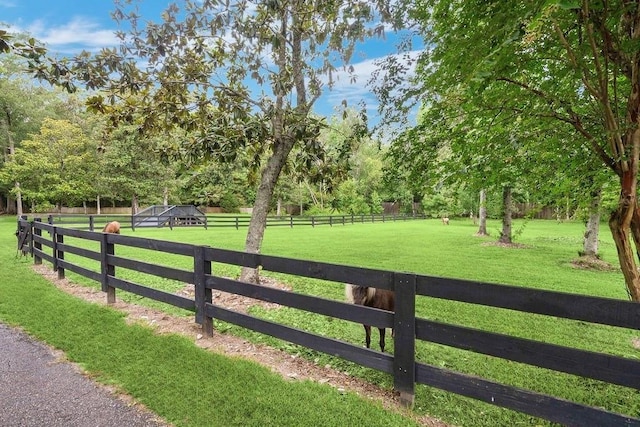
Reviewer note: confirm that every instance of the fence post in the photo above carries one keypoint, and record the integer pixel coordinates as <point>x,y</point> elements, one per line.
<point>237,223</point>
<point>201,268</point>
<point>50,219</point>
<point>106,269</point>
<point>31,239</point>
<point>58,254</point>
<point>313,224</point>
<point>91,223</point>
<point>290,221</point>
<point>36,245</point>
<point>404,319</point>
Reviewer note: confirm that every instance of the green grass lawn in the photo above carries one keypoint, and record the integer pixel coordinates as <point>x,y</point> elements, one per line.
<point>184,384</point>
<point>427,247</point>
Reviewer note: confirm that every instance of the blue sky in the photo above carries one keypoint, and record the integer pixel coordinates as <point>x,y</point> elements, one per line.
<point>69,26</point>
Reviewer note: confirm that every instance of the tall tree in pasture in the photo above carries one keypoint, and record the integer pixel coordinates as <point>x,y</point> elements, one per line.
<point>52,165</point>
<point>482,213</point>
<point>198,67</point>
<point>23,106</point>
<point>576,62</point>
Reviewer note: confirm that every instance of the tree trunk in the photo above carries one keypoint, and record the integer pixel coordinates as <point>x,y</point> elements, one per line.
<point>258,222</point>
<point>134,205</point>
<point>98,205</point>
<point>505,235</point>
<point>279,208</point>
<point>625,220</point>
<point>12,149</point>
<point>283,139</point>
<point>620,234</point>
<point>590,244</point>
<point>18,199</point>
<point>482,214</point>
<point>11,206</point>
<point>165,196</point>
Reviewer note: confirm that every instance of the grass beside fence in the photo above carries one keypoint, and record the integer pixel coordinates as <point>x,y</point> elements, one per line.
<point>542,260</point>
<point>182,383</point>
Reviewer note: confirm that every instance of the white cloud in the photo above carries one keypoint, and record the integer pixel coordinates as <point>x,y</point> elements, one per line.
<point>359,90</point>
<point>79,33</point>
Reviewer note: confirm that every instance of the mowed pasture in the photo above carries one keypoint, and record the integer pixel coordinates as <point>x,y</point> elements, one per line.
<point>541,259</point>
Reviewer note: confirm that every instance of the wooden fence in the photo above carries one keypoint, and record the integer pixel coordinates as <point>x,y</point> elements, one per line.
<point>402,365</point>
<point>96,222</point>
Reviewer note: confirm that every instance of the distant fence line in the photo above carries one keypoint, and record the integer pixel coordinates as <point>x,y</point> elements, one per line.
<point>402,364</point>
<point>96,222</point>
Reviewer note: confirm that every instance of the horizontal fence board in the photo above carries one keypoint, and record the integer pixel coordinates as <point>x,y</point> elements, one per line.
<point>316,270</point>
<point>536,404</point>
<point>153,269</point>
<point>227,256</point>
<point>45,256</point>
<point>152,244</point>
<point>612,369</point>
<point>365,357</point>
<point>154,294</point>
<point>337,309</point>
<point>93,275</point>
<point>44,241</point>
<point>43,226</point>
<point>85,253</point>
<point>81,234</point>
<point>337,273</point>
<point>606,311</point>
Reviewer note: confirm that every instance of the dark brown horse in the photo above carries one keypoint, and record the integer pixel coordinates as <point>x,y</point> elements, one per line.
<point>371,297</point>
<point>112,227</point>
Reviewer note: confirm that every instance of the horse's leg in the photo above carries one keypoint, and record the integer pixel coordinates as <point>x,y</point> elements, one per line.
<point>382,332</point>
<point>367,331</point>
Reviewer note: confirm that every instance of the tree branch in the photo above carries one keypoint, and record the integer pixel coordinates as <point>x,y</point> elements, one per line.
<point>571,118</point>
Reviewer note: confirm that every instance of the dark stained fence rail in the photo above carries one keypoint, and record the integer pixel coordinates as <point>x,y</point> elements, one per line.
<point>97,222</point>
<point>47,242</point>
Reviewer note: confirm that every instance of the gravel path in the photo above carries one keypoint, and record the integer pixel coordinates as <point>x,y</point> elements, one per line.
<point>38,389</point>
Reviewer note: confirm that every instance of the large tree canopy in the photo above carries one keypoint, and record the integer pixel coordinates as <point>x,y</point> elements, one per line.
<point>572,64</point>
<point>200,67</point>
<point>54,164</point>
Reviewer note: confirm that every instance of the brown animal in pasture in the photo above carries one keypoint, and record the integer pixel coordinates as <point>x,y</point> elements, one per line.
<point>371,297</point>
<point>445,220</point>
<point>112,227</point>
